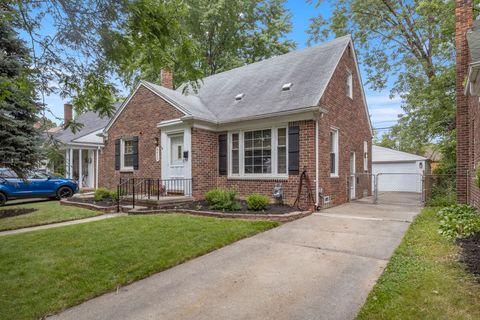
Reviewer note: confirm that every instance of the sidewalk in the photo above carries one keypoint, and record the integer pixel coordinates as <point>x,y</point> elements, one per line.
<point>62,224</point>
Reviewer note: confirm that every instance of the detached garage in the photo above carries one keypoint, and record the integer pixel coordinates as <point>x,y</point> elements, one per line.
<point>397,170</point>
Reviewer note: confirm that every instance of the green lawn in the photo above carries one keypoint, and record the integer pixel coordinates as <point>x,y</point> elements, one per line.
<point>48,212</point>
<point>424,279</point>
<point>43,272</point>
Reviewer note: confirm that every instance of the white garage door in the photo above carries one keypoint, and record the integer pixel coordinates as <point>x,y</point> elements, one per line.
<point>400,176</point>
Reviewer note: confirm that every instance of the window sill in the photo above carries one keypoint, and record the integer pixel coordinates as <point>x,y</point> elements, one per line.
<point>126,170</point>
<point>334,176</point>
<point>259,178</point>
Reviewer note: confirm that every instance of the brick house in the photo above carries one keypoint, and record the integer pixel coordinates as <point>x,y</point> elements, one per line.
<point>467,91</point>
<point>251,128</point>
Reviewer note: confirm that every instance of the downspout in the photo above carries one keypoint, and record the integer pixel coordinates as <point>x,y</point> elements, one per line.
<point>317,182</point>
<point>96,167</point>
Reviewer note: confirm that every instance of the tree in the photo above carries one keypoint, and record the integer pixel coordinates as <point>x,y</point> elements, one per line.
<point>211,36</point>
<point>233,33</point>
<point>411,43</point>
<point>93,46</point>
<point>19,148</point>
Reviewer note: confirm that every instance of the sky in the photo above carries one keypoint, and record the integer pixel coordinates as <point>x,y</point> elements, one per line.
<point>383,110</point>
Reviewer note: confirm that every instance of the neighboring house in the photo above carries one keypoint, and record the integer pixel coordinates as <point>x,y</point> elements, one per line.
<point>82,148</point>
<point>250,128</point>
<point>397,170</point>
<point>434,158</point>
<point>467,112</point>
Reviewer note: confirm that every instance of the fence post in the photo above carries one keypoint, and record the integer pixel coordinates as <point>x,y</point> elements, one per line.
<point>375,193</point>
<point>424,196</point>
<point>133,193</point>
<point>118,198</point>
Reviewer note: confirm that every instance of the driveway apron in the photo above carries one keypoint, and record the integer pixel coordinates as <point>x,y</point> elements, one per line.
<point>319,267</point>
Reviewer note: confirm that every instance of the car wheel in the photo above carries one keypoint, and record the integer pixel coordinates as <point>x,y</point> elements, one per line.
<point>3,199</point>
<point>64,192</point>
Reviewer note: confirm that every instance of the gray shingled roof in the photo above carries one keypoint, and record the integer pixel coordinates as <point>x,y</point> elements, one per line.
<point>91,122</point>
<point>308,70</point>
<point>473,37</point>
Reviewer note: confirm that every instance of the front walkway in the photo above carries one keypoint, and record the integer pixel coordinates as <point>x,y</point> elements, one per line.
<point>61,224</point>
<point>319,267</point>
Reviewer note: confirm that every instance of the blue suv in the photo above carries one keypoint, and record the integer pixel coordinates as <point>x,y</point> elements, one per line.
<point>37,185</point>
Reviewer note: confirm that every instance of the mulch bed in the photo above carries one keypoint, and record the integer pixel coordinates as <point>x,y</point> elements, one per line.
<point>6,213</point>
<point>202,205</point>
<point>471,253</point>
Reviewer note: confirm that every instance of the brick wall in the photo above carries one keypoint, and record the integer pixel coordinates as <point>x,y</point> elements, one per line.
<point>145,110</point>
<point>349,117</point>
<point>474,156</point>
<point>463,21</point>
<point>139,118</point>
<point>204,161</point>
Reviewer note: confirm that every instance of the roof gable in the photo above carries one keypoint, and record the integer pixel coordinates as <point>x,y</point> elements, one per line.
<point>91,122</point>
<point>259,85</point>
<point>308,70</point>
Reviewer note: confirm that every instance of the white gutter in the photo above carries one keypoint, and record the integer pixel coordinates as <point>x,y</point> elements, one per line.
<point>473,69</point>
<point>275,114</point>
<point>81,144</point>
<point>219,124</point>
<point>96,167</point>
<point>317,182</point>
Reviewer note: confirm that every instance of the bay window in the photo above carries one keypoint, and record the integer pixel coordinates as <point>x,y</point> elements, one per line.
<point>260,152</point>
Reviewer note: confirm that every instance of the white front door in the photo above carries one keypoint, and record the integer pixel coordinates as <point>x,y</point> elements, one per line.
<point>176,161</point>
<point>352,179</point>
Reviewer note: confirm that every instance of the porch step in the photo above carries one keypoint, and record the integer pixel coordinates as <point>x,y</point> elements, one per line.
<point>130,208</point>
<point>163,201</point>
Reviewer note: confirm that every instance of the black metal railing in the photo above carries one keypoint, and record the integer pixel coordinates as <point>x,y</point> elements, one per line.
<point>151,189</point>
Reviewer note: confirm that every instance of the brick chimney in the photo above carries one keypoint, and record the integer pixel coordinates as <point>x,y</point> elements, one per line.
<point>67,112</point>
<point>166,79</point>
<point>463,22</point>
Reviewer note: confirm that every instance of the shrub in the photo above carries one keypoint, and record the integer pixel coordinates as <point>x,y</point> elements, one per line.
<point>104,194</point>
<point>442,200</point>
<point>213,196</point>
<point>257,202</point>
<point>458,221</point>
<point>222,199</point>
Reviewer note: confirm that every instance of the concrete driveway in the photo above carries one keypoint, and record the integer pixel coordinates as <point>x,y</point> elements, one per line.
<point>320,267</point>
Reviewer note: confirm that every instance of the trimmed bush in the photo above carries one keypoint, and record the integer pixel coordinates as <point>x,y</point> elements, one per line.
<point>104,194</point>
<point>257,202</point>
<point>222,199</point>
<point>458,221</point>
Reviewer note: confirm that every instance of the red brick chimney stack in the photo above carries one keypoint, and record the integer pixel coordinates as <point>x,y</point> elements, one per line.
<point>67,112</point>
<point>463,22</point>
<point>166,79</point>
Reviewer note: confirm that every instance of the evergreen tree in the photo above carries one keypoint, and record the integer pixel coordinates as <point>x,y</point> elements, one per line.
<point>19,140</point>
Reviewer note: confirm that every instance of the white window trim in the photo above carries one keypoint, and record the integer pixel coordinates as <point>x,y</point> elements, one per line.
<point>365,156</point>
<point>241,151</point>
<point>122,155</point>
<point>336,174</point>
<point>169,150</point>
<point>350,84</point>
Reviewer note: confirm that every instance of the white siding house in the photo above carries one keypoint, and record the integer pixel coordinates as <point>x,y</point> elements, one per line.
<point>397,170</point>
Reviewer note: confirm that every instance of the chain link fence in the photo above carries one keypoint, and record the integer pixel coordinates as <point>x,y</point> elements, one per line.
<point>403,188</point>
<point>439,189</point>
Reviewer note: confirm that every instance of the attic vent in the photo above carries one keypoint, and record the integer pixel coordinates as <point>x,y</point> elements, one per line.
<point>239,96</point>
<point>286,86</point>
